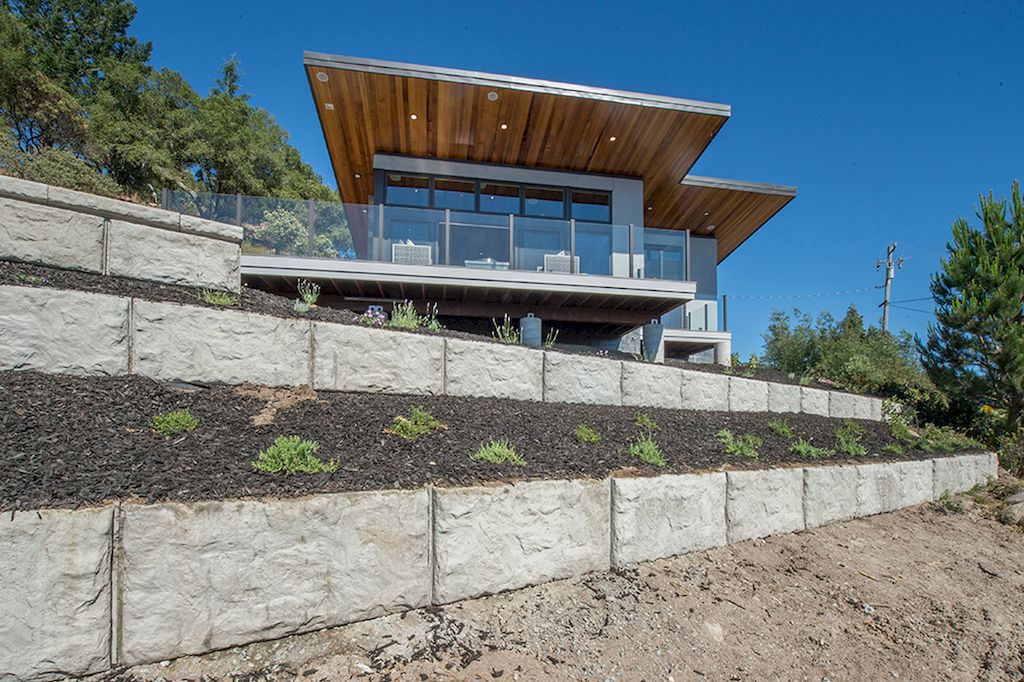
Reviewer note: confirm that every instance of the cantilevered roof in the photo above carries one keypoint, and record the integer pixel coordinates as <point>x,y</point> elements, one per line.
<point>368,106</point>
<point>729,210</point>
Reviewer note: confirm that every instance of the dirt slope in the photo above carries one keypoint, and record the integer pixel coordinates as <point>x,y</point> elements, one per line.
<point>922,594</point>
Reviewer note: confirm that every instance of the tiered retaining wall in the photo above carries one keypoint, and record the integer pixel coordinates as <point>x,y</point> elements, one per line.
<point>126,583</point>
<point>57,330</point>
<point>68,229</point>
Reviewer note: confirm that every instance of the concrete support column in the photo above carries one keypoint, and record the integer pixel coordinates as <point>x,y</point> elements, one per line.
<point>723,352</point>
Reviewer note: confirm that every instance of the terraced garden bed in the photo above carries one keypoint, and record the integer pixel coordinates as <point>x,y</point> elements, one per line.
<point>69,441</point>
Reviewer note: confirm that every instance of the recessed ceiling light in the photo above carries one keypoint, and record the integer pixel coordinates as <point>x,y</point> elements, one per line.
<point>504,126</point>
<point>413,116</point>
<point>650,208</point>
<point>711,228</point>
<point>321,76</point>
<point>328,106</point>
<point>611,139</point>
<point>492,96</point>
<point>358,175</point>
<point>707,213</point>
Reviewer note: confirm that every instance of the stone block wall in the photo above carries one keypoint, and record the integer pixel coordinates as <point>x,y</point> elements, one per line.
<point>64,331</point>
<point>68,229</point>
<point>121,584</point>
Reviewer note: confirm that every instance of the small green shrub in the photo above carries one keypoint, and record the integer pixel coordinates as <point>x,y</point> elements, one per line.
<point>585,434</point>
<point>741,446</point>
<point>174,422</point>
<point>551,338</point>
<point>645,422</point>
<point>949,504</point>
<point>893,448</point>
<point>900,429</point>
<point>1011,453</point>
<point>309,293</point>
<point>404,316</point>
<point>647,451</point>
<point>32,280</point>
<point>803,448</point>
<point>848,439</point>
<point>293,455</point>
<point>215,297</point>
<point>498,452</point>
<point>781,428</point>
<point>418,423</point>
<point>945,439</point>
<point>506,332</point>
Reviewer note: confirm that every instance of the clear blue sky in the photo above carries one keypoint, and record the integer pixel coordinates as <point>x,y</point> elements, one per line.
<point>890,117</point>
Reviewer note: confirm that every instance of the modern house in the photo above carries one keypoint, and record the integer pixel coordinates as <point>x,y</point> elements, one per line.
<point>490,195</point>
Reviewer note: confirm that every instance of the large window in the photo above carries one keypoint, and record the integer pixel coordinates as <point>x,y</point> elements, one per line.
<point>458,195</point>
<point>503,198</point>
<point>408,190</point>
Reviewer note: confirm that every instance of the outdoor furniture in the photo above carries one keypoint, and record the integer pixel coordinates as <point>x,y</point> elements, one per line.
<point>559,262</point>
<point>408,253</point>
<point>487,264</point>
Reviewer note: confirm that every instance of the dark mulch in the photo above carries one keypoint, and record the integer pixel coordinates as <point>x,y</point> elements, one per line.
<point>68,441</point>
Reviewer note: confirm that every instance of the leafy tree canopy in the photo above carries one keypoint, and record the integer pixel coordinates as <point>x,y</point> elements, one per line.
<point>72,78</point>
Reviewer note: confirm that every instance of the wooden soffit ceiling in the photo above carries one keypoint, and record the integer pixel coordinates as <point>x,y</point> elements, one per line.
<point>729,210</point>
<point>368,106</point>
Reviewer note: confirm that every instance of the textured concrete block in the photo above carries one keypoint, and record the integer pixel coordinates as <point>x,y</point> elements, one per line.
<point>50,236</point>
<point>704,391</point>
<point>954,474</point>
<point>876,409</point>
<point>848,406</point>
<point>646,385</point>
<point>830,494</point>
<point>217,574</point>
<point>55,593</point>
<point>61,331</point>
<point>113,208</point>
<point>349,358</point>
<point>211,345</point>
<point>17,188</point>
<point>666,515</point>
<point>764,502</point>
<point>814,401</point>
<point>163,255</point>
<point>916,482</point>
<point>210,228</point>
<point>491,370</point>
<point>490,539</point>
<point>879,488</point>
<point>783,397</point>
<point>747,395</point>
<point>580,379</point>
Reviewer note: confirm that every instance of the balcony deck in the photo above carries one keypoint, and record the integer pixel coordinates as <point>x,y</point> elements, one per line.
<point>618,303</point>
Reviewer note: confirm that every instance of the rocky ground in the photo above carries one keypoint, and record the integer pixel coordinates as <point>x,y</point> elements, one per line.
<point>930,593</point>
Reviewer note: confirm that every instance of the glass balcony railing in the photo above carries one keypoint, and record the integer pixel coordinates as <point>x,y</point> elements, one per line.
<point>430,237</point>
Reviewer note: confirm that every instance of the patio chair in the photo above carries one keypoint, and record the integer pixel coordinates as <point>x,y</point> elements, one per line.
<point>559,262</point>
<point>411,254</point>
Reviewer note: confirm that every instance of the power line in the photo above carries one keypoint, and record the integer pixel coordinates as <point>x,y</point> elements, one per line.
<point>769,297</point>
<point>913,300</point>
<point>913,310</point>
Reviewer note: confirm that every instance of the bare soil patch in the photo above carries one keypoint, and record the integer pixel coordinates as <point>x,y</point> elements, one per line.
<point>921,594</point>
<point>67,441</point>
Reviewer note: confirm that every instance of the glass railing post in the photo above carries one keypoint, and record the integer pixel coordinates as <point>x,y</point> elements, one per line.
<point>238,208</point>
<point>572,246</point>
<point>311,237</point>
<point>631,272</point>
<point>686,275</point>
<point>447,236</point>
<point>511,242</point>
<point>380,233</point>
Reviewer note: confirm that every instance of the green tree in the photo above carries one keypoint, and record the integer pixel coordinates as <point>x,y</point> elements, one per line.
<point>143,125</point>
<point>975,348</point>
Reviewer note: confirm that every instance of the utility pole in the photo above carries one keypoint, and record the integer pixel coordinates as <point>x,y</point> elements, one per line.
<point>890,272</point>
